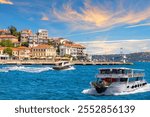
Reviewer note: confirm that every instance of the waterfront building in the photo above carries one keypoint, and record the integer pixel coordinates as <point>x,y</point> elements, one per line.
<point>25,34</point>
<point>21,53</point>
<point>43,51</point>
<point>75,50</point>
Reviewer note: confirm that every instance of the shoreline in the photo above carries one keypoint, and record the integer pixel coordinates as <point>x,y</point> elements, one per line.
<point>48,62</point>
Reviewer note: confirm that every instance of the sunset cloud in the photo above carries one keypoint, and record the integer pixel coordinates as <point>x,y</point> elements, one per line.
<point>5,2</point>
<point>45,17</point>
<point>99,17</point>
<point>113,47</point>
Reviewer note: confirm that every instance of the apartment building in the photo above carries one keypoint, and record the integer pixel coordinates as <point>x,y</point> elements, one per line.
<point>25,34</point>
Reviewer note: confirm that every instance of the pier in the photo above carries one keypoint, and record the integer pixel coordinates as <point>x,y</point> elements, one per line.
<point>48,62</point>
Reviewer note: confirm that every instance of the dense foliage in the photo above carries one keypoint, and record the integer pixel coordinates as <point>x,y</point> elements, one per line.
<point>26,44</point>
<point>8,51</point>
<point>6,43</point>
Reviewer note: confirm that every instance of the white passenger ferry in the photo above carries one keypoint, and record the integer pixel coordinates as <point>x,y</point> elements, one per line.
<point>118,80</point>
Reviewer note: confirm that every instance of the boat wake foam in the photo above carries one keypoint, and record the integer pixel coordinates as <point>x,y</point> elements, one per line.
<point>29,69</point>
<point>25,69</point>
<point>71,68</point>
<point>92,91</point>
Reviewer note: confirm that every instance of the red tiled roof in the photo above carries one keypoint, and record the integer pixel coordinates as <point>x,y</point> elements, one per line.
<point>7,36</point>
<point>20,48</point>
<point>41,46</point>
<point>4,30</point>
<point>74,45</point>
<point>2,48</point>
<point>15,49</point>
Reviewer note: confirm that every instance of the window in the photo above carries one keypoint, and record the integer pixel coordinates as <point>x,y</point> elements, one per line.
<point>132,79</point>
<point>123,79</point>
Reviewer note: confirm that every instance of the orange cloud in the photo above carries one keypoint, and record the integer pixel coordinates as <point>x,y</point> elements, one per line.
<point>99,17</point>
<point>5,2</point>
<point>45,17</point>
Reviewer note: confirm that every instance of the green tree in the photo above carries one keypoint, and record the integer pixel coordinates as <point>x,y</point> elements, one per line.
<point>6,43</point>
<point>26,44</point>
<point>8,51</point>
<point>14,32</point>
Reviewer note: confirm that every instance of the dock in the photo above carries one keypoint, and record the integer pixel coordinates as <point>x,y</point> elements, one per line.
<point>48,62</point>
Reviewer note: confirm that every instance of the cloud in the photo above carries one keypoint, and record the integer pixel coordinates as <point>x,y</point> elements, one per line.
<point>5,2</point>
<point>100,16</point>
<point>45,17</point>
<point>138,25</point>
<point>113,47</point>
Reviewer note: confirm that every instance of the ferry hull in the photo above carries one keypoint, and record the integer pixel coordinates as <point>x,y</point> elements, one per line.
<point>100,88</point>
<point>118,88</point>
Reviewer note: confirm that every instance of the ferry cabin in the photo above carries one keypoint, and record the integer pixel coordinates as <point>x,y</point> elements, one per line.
<point>121,75</point>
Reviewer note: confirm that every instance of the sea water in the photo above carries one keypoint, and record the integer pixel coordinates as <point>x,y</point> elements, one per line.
<point>41,82</point>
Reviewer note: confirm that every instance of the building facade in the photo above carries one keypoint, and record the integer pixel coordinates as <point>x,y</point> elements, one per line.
<point>4,32</point>
<point>21,53</point>
<point>42,33</point>
<point>33,40</point>
<point>43,51</point>
<point>25,34</point>
<point>74,50</point>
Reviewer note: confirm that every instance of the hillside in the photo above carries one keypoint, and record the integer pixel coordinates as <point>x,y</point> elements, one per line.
<point>132,57</point>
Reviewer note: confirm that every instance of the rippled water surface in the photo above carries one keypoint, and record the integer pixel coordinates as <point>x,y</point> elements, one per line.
<point>41,82</point>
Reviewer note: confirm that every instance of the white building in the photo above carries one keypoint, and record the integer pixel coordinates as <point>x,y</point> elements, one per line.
<point>33,40</point>
<point>75,50</point>
<point>42,34</point>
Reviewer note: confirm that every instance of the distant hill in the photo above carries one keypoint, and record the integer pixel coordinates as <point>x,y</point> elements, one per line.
<point>132,57</point>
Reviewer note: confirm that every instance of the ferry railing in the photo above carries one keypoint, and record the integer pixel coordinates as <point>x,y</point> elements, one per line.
<point>129,75</point>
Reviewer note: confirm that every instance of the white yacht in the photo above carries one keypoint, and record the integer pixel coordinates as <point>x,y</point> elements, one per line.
<point>61,65</point>
<point>118,80</point>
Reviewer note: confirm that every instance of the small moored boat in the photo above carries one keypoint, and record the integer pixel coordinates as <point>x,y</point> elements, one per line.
<point>62,65</point>
<point>118,80</point>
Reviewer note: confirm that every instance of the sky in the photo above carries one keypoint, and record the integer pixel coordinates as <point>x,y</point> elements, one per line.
<point>103,26</point>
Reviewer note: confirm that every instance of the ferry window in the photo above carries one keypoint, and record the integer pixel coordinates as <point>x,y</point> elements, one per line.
<point>140,78</point>
<point>103,71</point>
<point>132,79</point>
<point>136,79</point>
<point>123,79</point>
<point>114,71</point>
